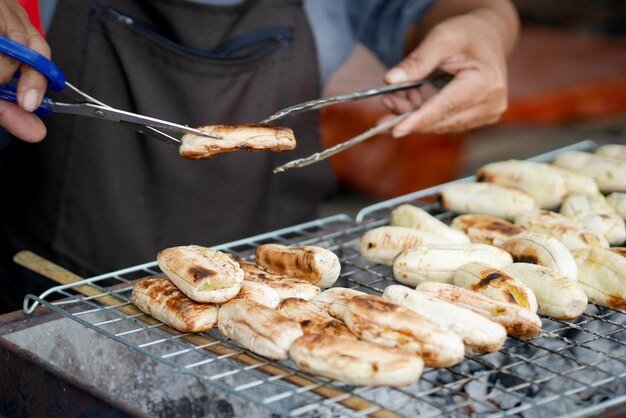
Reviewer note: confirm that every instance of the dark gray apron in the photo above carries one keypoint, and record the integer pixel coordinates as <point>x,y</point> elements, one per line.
<point>97,196</point>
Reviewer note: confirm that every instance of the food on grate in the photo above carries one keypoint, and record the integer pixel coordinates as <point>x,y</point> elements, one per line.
<point>542,249</point>
<point>258,328</point>
<point>285,287</point>
<point>543,184</point>
<point>486,198</point>
<point>203,274</point>
<point>413,217</point>
<point>439,262</point>
<point>602,276</point>
<point>236,138</point>
<point>617,201</point>
<point>575,181</point>
<point>557,296</point>
<point>316,265</point>
<point>479,334</point>
<point>355,362</point>
<point>597,214</point>
<point>571,232</point>
<point>608,172</point>
<point>259,293</point>
<point>612,150</point>
<point>486,229</point>
<point>379,321</point>
<point>618,250</point>
<point>313,319</point>
<point>495,284</point>
<point>159,298</point>
<point>518,322</point>
<point>334,300</point>
<point>383,244</point>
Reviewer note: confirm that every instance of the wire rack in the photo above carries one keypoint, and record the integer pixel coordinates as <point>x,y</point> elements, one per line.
<point>572,368</point>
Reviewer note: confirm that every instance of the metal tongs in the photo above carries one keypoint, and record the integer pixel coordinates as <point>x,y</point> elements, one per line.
<point>439,80</point>
<point>85,105</point>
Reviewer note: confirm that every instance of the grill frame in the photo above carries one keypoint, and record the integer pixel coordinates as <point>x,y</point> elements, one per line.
<point>521,374</point>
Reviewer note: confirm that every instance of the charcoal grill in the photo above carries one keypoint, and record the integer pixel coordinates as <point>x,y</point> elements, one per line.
<point>573,368</point>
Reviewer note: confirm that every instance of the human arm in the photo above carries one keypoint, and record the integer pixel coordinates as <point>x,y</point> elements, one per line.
<point>18,119</point>
<point>470,40</point>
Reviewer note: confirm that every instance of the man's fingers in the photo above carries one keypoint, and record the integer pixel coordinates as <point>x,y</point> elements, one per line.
<point>438,45</point>
<point>480,115</point>
<point>463,92</point>
<point>32,85</point>
<point>20,123</point>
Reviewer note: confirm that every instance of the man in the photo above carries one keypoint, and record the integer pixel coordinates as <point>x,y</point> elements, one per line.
<point>95,196</point>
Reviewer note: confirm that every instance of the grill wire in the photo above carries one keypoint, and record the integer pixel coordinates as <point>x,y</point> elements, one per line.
<point>573,367</point>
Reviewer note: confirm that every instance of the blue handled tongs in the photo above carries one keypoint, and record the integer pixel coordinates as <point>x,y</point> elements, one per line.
<point>84,104</point>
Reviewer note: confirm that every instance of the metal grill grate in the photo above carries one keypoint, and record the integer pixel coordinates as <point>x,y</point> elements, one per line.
<point>573,367</point>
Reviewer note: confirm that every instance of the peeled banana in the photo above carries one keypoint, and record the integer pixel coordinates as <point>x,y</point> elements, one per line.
<point>479,334</point>
<point>535,179</point>
<point>557,296</point>
<point>438,263</point>
<point>602,275</point>
<point>496,284</point>
<point>597,214</point>
<point>486,229</point>
<point>543,250</point>
<point>575,181</point>
<point>413,217</point>
<point>571,232</point>
<point>617,201</point>
<point>383,244</point>
<point>612,150</point>
<point>609,173</point>
<point>486,198</point>
<point>517,321</point>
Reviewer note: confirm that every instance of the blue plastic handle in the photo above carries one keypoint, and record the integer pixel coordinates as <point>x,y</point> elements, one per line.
<point>8,93</point>
<point>56,79</point>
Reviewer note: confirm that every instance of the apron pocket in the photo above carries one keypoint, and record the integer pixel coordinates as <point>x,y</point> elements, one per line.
<point>242,48</point>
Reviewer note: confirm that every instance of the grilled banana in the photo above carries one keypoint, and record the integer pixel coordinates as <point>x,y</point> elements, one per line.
<point>575,181</point>
<point>486,198</point>
<point>612,150</point>
<point>496,284</point>
<point>334,300</point>
<point>438,263</point>
<point>609,173</point>
<point>413,217</point>
<point>162,300</point>
<point>479,334</point>
<point>517,321</point>
<point>285,287</point>
<point>486,229</point>
<point>203,274</point>
<point>316,265</point>
<point>557,296</point>
<point>377,320</point>
<point>535,179</point>
<point>571,232</point>
<point>383,244</point>
<point>258,328</point>
<point>312,319</point>
<point>259,293</point>
<point>543,250</point>
<point>617,201</point>
<point>602,275</point>
<point>355,362</point>
<point>597,214</point>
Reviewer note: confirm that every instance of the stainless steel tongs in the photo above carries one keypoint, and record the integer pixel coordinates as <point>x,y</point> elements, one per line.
<point>439,81</point>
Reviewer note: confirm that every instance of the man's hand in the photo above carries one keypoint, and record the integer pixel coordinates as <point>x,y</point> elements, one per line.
<point>469,44</point>
<point>18,119</point>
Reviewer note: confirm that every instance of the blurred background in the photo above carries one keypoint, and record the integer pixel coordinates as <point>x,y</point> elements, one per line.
<point>567,82</point>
